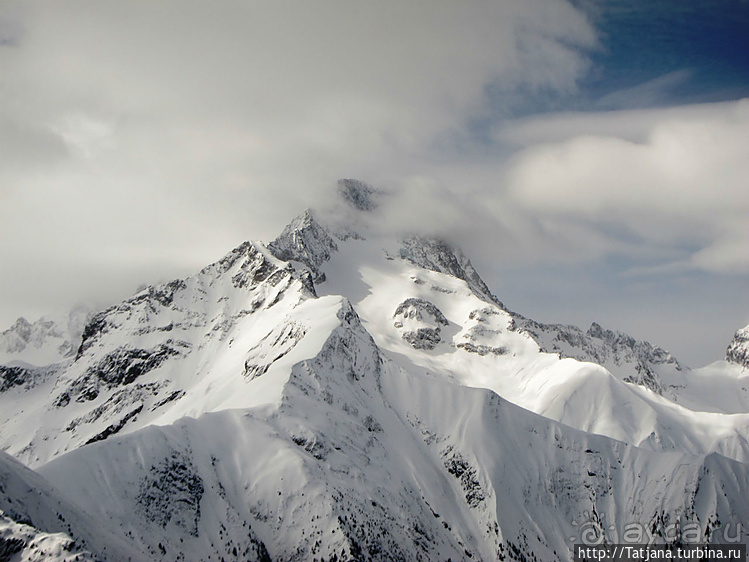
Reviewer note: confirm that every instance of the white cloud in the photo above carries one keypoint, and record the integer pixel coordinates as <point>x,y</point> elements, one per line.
<point>157,134</point>
<point>682,186</point>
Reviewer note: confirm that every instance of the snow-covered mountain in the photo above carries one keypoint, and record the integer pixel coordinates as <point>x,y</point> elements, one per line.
<point>346,394</point>
<point>47,340</point>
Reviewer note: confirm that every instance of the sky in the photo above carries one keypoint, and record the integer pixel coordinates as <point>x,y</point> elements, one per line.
<point>590,156</point>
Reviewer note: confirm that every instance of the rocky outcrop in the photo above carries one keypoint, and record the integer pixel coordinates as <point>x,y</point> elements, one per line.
<point>738,349</point>
<point>419,322</point>
<point>481,336</point>
<point>120,367</point>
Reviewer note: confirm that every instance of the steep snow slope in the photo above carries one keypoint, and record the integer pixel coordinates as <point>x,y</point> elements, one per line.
<point>36,523</point>
<point>362,460</point>
<point>24,543</point>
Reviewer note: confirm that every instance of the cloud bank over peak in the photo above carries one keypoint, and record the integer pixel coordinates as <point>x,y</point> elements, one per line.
<point>161,133</point>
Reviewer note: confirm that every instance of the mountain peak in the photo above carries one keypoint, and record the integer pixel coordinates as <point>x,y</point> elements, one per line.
<point>357,194</point>
<point>437,255</point>
<point>48,339</point>
<point>305,240</point>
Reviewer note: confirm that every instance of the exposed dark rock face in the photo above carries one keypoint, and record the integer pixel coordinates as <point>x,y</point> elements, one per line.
<point>9,547</point>
<point>124,364</point>
<point>226,263</point>
<point>461,469</point>
<point>115,427</point>
<point>646,377</point>
<point>26,377</point>
<point>485,330</point>
<point>420,323</point>
<point>420,310</point>
<point>423,338</point>
<point>13,376</point>
<point>618,341</point>
<point>125,399</point>
<point>161,294</point>
<point>171,494</point>
<point>256,269</point>
<point>738,350</point>
<point>95,328</point>
<point>120,367</point>
<point>482,349</point>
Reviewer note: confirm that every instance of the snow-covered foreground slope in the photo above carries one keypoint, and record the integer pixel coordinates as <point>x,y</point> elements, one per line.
<point>344,394</point>
<point>37,523</point>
